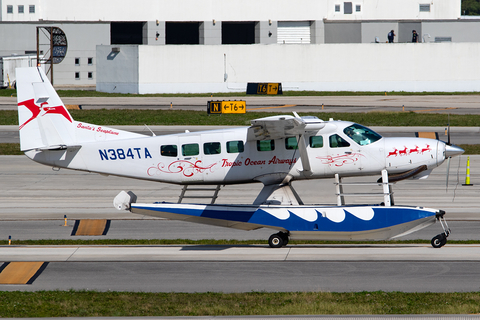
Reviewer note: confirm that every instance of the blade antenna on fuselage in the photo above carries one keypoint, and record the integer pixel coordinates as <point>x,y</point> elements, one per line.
<point>153,133</point>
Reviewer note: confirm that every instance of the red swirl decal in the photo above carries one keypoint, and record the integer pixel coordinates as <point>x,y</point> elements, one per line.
<point>339,161</point>
<point>188,168</point>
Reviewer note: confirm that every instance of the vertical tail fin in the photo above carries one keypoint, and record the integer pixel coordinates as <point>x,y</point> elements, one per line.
<point>44,122</point>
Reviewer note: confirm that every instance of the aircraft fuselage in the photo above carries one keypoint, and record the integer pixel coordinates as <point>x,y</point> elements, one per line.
<point>232,156</point>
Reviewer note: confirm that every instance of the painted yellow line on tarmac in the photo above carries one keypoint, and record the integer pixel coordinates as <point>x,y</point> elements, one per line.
<point>264,108</point>
<point>429,135</point>
<point>441,109</point>
<point>73,107</point>
<point>91,227</point>
<point>21,272</point>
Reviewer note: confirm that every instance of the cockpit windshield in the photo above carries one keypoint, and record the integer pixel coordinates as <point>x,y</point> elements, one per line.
<point>361,135</point>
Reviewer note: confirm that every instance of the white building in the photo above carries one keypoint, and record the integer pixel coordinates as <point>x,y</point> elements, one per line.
<point>189,40</point>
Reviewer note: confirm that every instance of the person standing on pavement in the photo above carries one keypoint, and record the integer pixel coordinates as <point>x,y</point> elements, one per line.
<point>414,36</point>
<point>391,36</point>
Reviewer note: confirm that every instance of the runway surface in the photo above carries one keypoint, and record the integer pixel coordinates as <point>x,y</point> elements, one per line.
<point>417,268</point>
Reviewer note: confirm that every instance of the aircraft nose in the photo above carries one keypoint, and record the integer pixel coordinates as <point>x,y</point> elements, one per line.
<point>453,150</point>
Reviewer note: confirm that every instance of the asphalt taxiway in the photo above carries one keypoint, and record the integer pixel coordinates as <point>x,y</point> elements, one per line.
<point>412,268</point>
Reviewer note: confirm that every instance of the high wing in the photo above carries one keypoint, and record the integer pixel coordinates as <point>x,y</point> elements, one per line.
<point>277,127</point>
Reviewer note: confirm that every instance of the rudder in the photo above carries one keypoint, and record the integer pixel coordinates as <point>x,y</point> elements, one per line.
<point>44,122</point>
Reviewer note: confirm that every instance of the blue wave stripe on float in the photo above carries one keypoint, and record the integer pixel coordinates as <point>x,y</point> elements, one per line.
<point>383,217</point>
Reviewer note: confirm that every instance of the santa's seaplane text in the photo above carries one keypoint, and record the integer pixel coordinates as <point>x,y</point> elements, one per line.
<point>273,151</point>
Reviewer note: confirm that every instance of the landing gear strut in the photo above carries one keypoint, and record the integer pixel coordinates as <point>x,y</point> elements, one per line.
<point>278,240</point>
<point>441,239</point>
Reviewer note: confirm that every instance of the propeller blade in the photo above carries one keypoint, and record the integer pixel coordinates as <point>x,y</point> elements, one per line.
<point>448,172</point>
<point>448,130</point>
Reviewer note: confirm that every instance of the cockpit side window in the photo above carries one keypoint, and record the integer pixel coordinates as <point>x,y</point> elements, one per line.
<point>361,135</point>
<point>337,142</point>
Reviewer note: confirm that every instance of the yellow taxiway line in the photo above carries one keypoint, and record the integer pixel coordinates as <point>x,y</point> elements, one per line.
<point>21,272</point>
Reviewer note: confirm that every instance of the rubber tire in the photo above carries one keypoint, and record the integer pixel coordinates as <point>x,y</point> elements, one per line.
<point>439,240</point>
<point>275,241</point>
<point>284,238</point>
<point>444,241</point>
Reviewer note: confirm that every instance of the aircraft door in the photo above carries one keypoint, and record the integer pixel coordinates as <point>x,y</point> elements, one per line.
<point>233,160</point>
<point>190,158</point>
<point>343,156</point>
<point>212,149</point>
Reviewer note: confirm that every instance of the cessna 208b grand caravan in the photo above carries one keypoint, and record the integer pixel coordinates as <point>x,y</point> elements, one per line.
<point>274,151</point>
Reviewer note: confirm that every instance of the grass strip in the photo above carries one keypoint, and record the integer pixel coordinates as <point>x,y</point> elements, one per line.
<point>131,304</point>
<point>211,242</point>
<point>112,117</point>
<point>10,149</point>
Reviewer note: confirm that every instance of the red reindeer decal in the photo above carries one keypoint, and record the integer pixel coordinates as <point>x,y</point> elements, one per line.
<point>394,153</point>
<point>426,149</point>
<point>416,150</point>
<point>403,152</point>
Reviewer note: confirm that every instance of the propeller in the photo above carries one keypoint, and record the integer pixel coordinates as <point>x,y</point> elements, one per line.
<point>451,150</point>
<point>448,130</point>
<point>449,158</point>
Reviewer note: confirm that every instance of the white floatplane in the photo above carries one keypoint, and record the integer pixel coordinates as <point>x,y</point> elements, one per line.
<point>274,151</point>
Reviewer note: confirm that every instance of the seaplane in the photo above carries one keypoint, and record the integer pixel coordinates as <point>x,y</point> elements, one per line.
<point>274,151</point>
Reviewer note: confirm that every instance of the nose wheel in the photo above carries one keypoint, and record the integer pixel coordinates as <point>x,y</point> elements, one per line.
<point>278,240</point>
<point>441,239</point>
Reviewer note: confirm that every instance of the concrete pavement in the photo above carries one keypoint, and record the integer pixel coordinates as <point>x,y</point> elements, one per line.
<point>454,104</point>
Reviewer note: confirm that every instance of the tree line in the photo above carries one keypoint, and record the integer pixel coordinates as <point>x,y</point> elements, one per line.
<point>471,7</point>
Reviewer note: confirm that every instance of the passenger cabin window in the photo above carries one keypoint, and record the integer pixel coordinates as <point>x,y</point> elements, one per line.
<point>316,142</point>
<point>235,146</point>
<point>212,148</point>
<point>191,149</point>
<point>291,143</point>
<point>169,150</point>
<point>265,145</point>
<point>361,135</point>
<point>338,142</point>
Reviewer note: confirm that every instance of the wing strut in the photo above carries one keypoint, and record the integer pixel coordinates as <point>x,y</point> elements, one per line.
<point>278,194</point>
<point>302,147</point>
